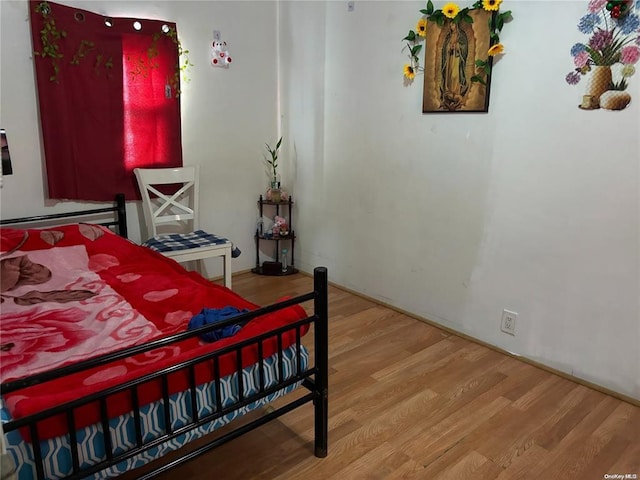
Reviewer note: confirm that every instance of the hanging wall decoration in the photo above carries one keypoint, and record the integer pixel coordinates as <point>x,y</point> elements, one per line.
<point>458,56</point>
<point>219,54</point>
<point>607,60</point>
<point>55,43</point>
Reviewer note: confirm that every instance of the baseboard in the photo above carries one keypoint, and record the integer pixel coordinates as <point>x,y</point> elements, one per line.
<point>580,381</point>
<point>221,277</point>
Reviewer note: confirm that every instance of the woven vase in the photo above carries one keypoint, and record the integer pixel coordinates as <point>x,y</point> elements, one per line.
<point>598,82</point>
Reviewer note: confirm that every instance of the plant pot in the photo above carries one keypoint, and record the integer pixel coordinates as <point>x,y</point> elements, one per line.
<point>614,99</point>
<point>598,82</point>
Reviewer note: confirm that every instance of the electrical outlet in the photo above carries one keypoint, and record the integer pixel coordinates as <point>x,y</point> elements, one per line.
<point>351,6</point>
<point>508,324</point>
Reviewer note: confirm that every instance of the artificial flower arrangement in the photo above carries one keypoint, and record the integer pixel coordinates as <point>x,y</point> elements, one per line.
<point>451,12</point>
<point>614,38</point>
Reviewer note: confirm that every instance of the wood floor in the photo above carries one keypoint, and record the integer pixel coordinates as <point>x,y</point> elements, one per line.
<point>407,400</point>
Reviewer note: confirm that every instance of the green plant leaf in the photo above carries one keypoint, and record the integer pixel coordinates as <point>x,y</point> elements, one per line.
<point>416,49</point>
<point>440,20</point>
<point>411,36</point>
<point>468,18</point>
<point>506,15</point>
<point>478,79</point>
<point>499,23</point>
<point>429,7</point>
<point>424,11</point>
<point>480,63</point>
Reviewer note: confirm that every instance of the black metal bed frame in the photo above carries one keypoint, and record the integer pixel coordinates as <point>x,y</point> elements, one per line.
<point>314,379</point>
<point>119,211</point>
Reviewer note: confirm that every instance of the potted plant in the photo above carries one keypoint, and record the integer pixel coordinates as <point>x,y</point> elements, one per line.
<point>274,176</point>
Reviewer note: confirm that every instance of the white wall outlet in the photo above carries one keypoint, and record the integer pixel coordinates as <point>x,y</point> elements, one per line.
<point>216,35</point>
<point>508,324</point>
<point>351,6</point>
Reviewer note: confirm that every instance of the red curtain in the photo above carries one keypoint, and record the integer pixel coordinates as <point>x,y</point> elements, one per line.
<point>113,109</point>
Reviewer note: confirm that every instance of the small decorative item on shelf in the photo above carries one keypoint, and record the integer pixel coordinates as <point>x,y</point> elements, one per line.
<point>275,194</point>
<point>280,226</point>
<point>271,268</point>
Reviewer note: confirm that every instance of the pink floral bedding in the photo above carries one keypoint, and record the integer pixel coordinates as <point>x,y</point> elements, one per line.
<point>78,291</point>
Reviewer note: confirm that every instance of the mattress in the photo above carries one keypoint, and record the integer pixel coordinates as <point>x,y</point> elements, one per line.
<point>73,292</point>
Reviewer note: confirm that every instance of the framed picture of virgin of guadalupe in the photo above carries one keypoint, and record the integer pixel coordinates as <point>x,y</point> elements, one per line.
<point>451,51</point>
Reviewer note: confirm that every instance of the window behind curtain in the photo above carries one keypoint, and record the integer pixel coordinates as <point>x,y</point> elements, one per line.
<point>113,111</point>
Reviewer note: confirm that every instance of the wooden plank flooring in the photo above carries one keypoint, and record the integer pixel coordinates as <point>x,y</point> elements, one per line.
<point>409,401</point>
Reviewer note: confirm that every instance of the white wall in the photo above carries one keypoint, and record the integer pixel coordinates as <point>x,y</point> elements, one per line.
<point>227,114</point>
<point>533,207</point>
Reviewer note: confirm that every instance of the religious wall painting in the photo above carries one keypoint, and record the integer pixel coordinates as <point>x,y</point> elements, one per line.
<point>459,47</point>
<point>450,64</point>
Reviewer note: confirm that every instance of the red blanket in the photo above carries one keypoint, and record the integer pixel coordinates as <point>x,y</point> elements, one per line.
<point>78,291</point>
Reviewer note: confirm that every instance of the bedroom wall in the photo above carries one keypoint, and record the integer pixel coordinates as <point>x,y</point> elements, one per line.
<point>227,114</point>
<point>533,207</point>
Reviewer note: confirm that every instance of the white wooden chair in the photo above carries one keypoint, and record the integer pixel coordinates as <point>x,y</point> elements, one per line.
<point>172,219</point>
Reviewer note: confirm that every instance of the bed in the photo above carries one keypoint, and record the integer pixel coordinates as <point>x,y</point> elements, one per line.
<point>112,355</point>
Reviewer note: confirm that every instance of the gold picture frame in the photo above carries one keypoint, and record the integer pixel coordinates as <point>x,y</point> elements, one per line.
<point>451,52</point>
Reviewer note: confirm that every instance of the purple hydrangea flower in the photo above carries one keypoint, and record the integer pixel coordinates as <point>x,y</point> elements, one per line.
<point>589,22</point>
<point>573,78</point>
<point>601,39</point>
<point>577,48</point>
<point>629,23</point>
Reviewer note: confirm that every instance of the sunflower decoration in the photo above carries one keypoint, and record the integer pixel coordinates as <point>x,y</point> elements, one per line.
<point>421,27</point>
<point>491,5</point>
<point>451,12</point>
<point>496,49</point>
<point>409,72</point>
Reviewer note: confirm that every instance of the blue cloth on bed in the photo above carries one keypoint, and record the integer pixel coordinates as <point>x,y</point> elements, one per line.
<point>210,316</point>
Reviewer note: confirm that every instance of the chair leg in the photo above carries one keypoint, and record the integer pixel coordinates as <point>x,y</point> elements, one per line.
<point>227,268</point>
<point>202,268</point>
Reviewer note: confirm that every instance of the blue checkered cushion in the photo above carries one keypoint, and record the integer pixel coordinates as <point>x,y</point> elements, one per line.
<point>183,241</point>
